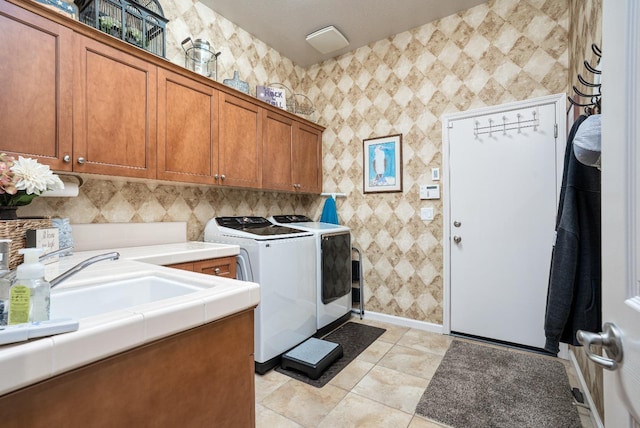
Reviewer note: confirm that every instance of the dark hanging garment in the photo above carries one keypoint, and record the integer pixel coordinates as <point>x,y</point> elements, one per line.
<point>574,292</point>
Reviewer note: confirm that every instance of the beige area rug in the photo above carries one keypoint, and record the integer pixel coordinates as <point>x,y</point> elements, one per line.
<point>481,386</point>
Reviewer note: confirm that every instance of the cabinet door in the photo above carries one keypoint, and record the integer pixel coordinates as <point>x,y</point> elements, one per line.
<point>307,155</point>
<point>36,71</point>
<point>239,159</point>
<point>223,266</point>
<point>277,141</point>
<point>187,131</point>
<point>114,112</point>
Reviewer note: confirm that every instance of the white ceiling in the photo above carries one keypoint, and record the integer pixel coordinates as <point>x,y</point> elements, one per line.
<point>284,24</point>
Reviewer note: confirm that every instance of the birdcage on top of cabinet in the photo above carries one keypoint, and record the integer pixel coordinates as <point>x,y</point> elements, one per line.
<point>140,23</point>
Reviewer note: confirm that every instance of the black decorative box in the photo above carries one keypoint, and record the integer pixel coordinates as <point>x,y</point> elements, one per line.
<point>140,23</point>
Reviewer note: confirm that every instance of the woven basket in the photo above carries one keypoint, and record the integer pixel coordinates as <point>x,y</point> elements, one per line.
<point>16,230</point>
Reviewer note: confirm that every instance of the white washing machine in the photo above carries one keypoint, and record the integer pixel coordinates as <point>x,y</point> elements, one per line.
<point>333,268</point>
<point>282,260</point>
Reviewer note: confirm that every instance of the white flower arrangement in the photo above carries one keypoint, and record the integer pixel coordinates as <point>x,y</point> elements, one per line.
<point>23,180</point>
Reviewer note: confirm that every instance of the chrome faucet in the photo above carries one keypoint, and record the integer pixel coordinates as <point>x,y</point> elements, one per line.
<point>83,264</point>
<point>10,275</point>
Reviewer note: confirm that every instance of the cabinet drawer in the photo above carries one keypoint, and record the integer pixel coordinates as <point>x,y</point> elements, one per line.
<point>225,266</point>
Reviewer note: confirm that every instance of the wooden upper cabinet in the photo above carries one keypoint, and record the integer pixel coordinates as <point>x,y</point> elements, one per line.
<point>240,137</point>
<point>277,142</point>
<point>114,111</point>
<point>36,70</point>
<point>307,159</point>
<point>187,129</point>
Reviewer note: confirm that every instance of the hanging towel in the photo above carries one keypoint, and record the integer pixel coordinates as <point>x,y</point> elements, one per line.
<point>329,212</point>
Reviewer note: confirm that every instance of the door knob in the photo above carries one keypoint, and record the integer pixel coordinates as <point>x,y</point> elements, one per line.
<point>457,239</point>
<point>610,341</point>
<point>457,224</point>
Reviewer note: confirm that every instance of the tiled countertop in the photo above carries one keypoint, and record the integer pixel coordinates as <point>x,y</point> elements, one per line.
<point>113,332</point>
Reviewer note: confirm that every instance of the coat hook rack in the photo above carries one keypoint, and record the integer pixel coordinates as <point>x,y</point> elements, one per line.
<point>594,105</point>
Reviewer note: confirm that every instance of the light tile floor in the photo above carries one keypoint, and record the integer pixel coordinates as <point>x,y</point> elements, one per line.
<point>380,388</point>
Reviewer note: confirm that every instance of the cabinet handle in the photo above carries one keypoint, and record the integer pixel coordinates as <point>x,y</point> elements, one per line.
<point>215,176</point>
<point>81,160</point>
<point>216,271</point>
<point>222,177</point>
<point>66,159</point>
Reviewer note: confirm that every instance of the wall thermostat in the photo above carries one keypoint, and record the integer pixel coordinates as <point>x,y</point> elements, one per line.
<point>430,191</point>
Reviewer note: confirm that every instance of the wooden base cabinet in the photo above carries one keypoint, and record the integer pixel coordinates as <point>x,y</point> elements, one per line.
<point>203,377</point>
<point>36,81</point>
<point>223,266</point>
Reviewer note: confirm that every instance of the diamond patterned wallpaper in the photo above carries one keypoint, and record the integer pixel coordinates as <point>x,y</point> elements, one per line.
<point>501,51</point>
<point>497,52</point>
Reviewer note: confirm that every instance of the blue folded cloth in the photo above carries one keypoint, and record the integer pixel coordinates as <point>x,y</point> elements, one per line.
<point>329,212</point>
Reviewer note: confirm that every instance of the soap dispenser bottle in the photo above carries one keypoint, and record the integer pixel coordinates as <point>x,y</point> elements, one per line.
<point>30,294</point>
<point>5,283</point>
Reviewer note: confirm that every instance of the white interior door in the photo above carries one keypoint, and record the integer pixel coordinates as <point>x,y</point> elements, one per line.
<point>621,205</point>
<point>503,182</point>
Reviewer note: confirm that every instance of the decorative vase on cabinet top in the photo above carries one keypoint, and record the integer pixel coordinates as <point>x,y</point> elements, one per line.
<point>236,83</point>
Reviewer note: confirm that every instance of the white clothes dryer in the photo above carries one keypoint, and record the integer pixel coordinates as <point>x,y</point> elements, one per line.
<point>333,269</point>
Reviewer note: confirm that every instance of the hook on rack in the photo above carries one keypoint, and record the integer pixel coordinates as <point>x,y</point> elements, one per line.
<point>595,104</point>
<point>588,84</point>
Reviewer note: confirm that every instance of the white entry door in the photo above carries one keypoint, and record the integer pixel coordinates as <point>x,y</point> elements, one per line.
<point>504,170</point>
<point>621,206</point>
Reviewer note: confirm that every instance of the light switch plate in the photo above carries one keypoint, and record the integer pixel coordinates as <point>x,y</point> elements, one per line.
<point>435,174</point>
<point>426,213</point>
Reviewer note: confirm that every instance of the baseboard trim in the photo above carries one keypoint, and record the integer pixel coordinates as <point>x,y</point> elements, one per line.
<point>404,322</point>
<point>593,410</point>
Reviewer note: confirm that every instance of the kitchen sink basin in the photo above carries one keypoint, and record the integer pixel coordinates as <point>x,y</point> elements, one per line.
<point>81,302</point>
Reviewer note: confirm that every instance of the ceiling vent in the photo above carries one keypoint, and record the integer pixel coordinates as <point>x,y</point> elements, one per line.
<point>327,40</point>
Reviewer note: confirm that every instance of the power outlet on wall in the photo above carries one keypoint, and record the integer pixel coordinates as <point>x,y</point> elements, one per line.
<point>426,213</point>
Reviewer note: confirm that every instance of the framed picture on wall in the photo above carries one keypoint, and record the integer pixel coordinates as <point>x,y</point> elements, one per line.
<point>383,164</point>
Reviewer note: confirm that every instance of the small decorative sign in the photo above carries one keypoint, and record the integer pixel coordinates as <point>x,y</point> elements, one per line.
<point>47,239</point>
<point>274,96</point>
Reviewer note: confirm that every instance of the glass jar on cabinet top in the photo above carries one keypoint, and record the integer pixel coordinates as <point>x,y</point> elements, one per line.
<point>201,57</point>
